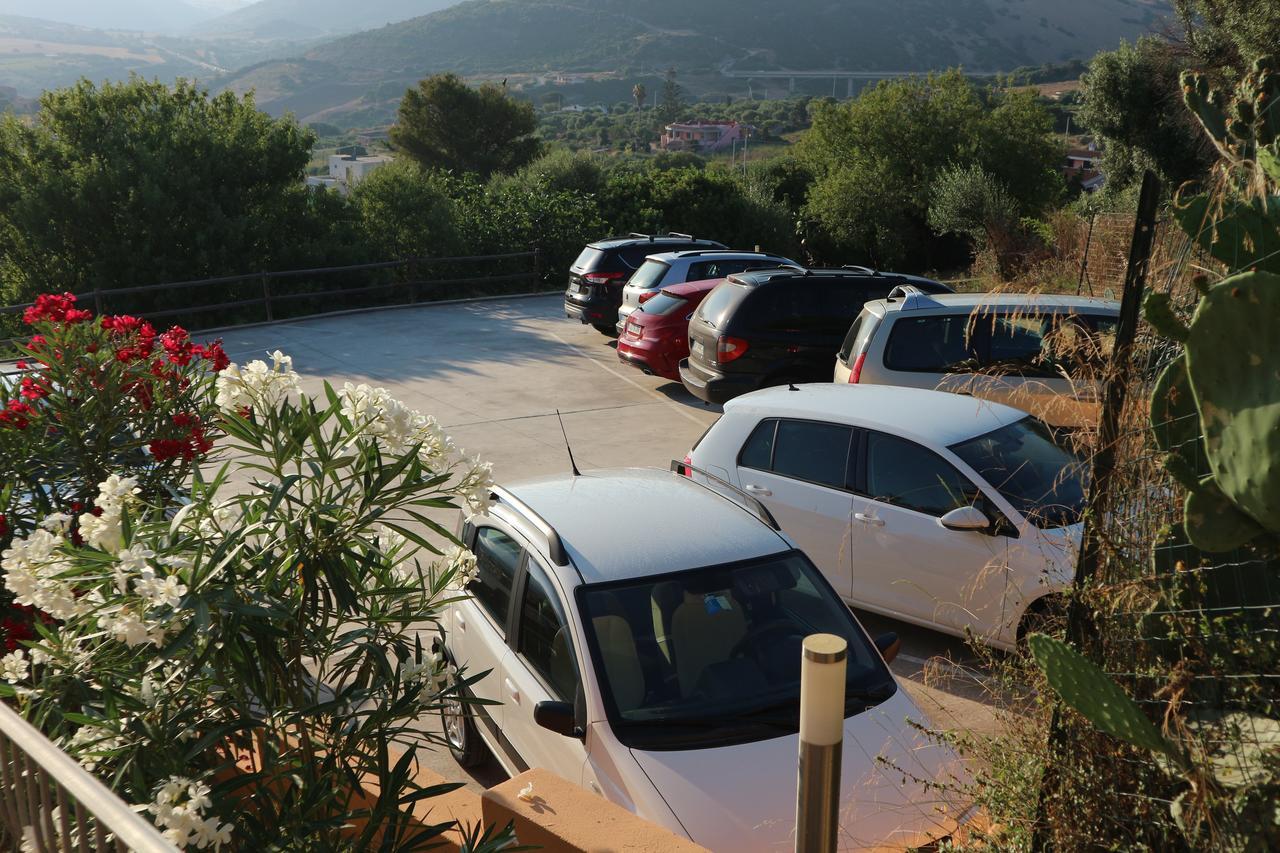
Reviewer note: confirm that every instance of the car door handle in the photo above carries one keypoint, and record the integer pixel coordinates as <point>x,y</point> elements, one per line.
<point>758,490</point>
<point>511,688</point>
<point>869,519</point>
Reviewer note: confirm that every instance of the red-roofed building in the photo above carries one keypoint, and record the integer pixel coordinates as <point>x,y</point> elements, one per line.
<point>702,135</point>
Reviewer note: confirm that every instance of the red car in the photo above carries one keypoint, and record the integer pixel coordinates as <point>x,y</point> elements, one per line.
<point>656,336</point>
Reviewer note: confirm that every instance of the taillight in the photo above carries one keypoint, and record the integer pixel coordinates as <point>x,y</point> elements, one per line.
<point>729,348</point>
<point>688,460</point>
<point>601,277</point>
<point>857,368</point>
<point>646,296</point>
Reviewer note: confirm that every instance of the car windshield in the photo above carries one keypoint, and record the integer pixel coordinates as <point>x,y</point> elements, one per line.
<point>663,303</point>
<point>1044,480</point>
<point>649,275</point>
<point>711,656</point>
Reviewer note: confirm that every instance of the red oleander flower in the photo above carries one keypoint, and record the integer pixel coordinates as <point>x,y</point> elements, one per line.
<point>32,389</point>
<point>177,343</point>
<point>214,353</point>
<point>17,414</point>
<point>52,308</point>
<point>164,449</point>
<point>4,526</point>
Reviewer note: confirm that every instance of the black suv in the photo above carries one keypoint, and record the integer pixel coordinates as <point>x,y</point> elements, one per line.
<point>597,277</point>
<point>772,327</point>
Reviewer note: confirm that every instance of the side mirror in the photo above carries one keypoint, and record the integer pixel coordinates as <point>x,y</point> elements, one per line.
<point>888,645</point>
<point>557,717</point>
<point>966,518</point>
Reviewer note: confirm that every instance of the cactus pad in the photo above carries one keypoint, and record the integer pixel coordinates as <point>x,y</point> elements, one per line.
<point>1233,362</point>
<point>1213,522</point>
<point>1095,696</point>
<point>1243,234</point>
<point>1175,421</point>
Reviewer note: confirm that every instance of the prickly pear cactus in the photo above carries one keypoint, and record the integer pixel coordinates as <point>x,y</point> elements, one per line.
<point>1233,362</point>
<point>1096,697</point>
<point>1175,421</point>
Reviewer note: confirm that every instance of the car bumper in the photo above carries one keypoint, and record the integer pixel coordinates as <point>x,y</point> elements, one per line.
<point>586,312</point>
<point>714,388</point>
<point>648,359</point>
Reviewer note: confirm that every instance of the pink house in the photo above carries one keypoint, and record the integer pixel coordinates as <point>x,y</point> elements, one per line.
<point>702,135</point>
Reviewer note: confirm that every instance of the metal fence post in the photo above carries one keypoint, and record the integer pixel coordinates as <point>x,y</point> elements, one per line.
<point>537,265</point>
<point>266,295</point>
<point>97,301</point>
<point>1084,261</point>
<point>413,280</point>
<point>1103,466</point>
<point>822,689</point>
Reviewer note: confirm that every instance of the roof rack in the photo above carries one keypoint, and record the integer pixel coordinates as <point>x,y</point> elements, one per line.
<point>860,268</point>
<point>679,234</point>
<point>738,496</point>
<point>687,253</point>
<point>912,297</point>
<point>555,548</point>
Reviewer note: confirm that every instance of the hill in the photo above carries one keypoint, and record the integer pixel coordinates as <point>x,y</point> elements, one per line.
<point>270,20</point>
<point>141,15</point>
<point>718,39</point>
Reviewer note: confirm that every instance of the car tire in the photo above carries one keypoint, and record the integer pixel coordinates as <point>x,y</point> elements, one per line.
<point>459,729</point>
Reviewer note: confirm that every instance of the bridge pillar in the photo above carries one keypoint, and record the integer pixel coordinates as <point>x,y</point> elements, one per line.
<point>792,85</point>
<point>850,92</point>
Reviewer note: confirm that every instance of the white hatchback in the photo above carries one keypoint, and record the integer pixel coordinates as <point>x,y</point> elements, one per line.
<point>938,509</point>
<point>1041,353</point>
<point>666,268</point>
<point>640,634</point>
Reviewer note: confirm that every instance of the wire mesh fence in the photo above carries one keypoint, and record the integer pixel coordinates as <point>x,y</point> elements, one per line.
<point>1193,637</point>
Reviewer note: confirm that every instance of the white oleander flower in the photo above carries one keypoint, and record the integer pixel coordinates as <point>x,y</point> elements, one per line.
<point>463,562</point>
<point>476,487</point>
<point>526,793</point>
<point>56,522</point>
<point>256,385</point>
<point>14,666</point>
<point>134,558</point>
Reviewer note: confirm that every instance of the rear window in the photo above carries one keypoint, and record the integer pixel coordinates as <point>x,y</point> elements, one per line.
<point>649,275</point>
<point>859,334</point>
<point>720,303</point>
<point>663,303</point>
<point>588,258</point>
<point>938,344</point>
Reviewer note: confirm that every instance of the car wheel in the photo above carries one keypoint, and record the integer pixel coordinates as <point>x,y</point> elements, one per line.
<point>460,730</point>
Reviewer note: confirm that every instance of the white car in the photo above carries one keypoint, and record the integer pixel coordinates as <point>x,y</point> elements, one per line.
<point>1041,353</point>
<point>666,268</point>
<point>640,634</point>
<point>938,509</point>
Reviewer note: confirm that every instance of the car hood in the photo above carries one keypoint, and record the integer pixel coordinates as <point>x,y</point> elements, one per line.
<point>743,797</point>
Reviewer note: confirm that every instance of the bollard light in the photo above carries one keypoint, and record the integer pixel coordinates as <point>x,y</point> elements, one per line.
<point>822,683</point>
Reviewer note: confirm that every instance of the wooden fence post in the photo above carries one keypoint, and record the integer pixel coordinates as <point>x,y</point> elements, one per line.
<point>266,296</point>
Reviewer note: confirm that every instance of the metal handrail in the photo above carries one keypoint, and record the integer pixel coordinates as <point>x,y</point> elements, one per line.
<point>37,779</point>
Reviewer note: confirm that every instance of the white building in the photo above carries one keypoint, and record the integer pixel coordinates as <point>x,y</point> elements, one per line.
<point>347,170</point>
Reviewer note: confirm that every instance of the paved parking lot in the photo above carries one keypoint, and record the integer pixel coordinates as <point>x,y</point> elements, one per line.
<point>495,372</point>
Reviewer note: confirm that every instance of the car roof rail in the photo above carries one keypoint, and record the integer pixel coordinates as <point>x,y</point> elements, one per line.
<point>555,547</point>
<point>689,253</point>
<point>738,496</point>
<point>912,297</point>
<point>680,234</point>
<point>861,268</point>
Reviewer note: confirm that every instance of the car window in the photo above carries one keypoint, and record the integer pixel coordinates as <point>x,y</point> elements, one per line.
<point>937,344</point>
<point>904,474</point>
<point>1017,341</point>
<point>587,259</point>
<point>703,270</point>
<point>543,638</point>
<point>497,556</point>
<point>633,256</point>
<point>758,451</point>
<point>804,450</point>
<point>664,303</point>
<point>649,275</point>
<point>717,308</point>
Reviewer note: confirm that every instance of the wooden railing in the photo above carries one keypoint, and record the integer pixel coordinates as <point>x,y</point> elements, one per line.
<point>283,294</point>
<point>50,804</point>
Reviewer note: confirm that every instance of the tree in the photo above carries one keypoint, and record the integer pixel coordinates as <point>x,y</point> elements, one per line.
<point>1229,34</point>
<point>641,94</point>
<point>672,104</point>
<point>140,183</point>
<point>443,123</point>
<point>876,158</point>
<point>405,211</point>
<point>1132,101</point>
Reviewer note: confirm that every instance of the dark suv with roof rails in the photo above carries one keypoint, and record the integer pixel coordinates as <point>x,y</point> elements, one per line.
<point>598,275</point>
<point>771,327</point>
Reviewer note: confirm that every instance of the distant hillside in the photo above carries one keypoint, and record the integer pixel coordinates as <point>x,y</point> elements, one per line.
<point>143,15</point>
<point>504,37</point>
<point>292,20</point>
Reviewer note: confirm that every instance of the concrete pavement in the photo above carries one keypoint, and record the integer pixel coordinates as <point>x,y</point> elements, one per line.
<point>495,372</point>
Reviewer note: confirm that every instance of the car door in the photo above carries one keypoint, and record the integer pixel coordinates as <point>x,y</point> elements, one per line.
<point>904,561</point>
<point>542,667</point>
<point>799,470</point>
<point>479,640</point>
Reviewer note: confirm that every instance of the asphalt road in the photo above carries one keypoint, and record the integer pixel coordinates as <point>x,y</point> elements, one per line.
<point>494,373</point>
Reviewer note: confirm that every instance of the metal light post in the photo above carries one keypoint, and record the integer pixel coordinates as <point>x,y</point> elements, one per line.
<point>822,683</point>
